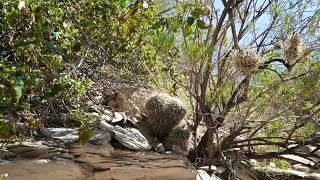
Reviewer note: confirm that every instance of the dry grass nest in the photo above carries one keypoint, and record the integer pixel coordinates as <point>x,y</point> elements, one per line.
<point>294,50</point>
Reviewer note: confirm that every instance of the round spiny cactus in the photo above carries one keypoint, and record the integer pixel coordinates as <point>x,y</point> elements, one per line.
<point>245,61</point>
<point>163,113</point>
<point>180,136</point>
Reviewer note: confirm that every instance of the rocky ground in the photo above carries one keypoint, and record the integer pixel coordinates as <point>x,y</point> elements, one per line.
<point>120,148</point>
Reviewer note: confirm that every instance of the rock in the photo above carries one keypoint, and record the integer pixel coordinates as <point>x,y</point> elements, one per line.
<point>272,165</point>
<point>98,162</point>
<point>290,173</point>
<point>134,173</point>
<point>298,159</point>
<point>130,100</point>
<point>177,149</point>
<point>160,148</point>
<point>129,165</point>
<point>48,170</point>
<point>253,162</point>
<point>208,168</point>
<point>118,116</point>
<point>300,167</point>
<point>106,118</point>
<point>203,175</point>
<point>67,156</point>
<point>104,175</point>
<point>67,135</point>
<point>100,137</point>
<point>28,149</point>
<point>129,137</point>
<point>221,169</point>
<point>77,150</point>
<point>4,154</point>
<point>315,176</point>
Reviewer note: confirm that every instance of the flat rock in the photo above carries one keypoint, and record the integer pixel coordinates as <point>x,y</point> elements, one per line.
<point>300,167</point>
<point>100,163</point>
<point>100,137</point>
<point>298,159</point>
<point>203,175</point>
<point>39,170</point>
<point>128,137</point>
<point>65,134</point>
<point>121,164</point>
<point>77,150</point>
<point>295,173</point>
<point>28,149</point>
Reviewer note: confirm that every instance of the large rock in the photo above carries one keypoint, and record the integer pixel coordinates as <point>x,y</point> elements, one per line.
<point>43,169</point>
<point>138,165</point>
<point>130,100</point>
<point>97,162</point>
<point>67,135</point>
<point>27,149</point>
<point>129,137</point>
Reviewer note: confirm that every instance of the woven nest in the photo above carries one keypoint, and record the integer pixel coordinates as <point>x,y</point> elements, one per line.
<point>245,61</point>
<point>293,50</point>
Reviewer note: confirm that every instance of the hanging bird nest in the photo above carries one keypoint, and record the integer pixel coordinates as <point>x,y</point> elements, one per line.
<point>294,50</point>
<point>245,61</point>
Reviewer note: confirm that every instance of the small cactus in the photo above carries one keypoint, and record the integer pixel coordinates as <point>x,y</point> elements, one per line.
<point>180,136</point>
<point>245,61</point>
<point>163,113</point>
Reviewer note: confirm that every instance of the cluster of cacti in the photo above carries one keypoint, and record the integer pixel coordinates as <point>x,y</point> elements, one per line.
<point>245,61</point>
<point>181,136</point>
<point>164,114</point>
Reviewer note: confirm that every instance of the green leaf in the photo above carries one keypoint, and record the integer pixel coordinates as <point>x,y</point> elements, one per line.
<point>85,135</point>
<point>196,13</point>
<point>190,20</point>
<point>123,47</point>
<point>201,24</point>
<point>18,87</point>
<point>6,130</point>
<point>76,47</point>
<point>187,30</point>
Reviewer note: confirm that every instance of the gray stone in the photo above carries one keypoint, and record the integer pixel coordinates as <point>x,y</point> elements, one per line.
<point>100,137</point>
<point>4,154</point>
<point>203,175</point>
<point>221,169</point>
<point>28,149</point>
<point>65,134</point>
<point>298,159</point>
<point>118,117</point>
<point>129,137</point>
<point>208,168</point>
<point>300,167</point>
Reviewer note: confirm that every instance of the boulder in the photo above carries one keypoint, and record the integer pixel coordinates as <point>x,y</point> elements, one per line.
<point>43,169</point>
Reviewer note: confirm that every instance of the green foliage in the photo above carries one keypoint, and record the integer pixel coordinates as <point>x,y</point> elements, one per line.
<point>282,164</point>
<point>6,130</point>
<point>86,124</point>
<point>44,45</point>
<point>276,128</point>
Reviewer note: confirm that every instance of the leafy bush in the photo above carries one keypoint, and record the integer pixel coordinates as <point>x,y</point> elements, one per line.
<point>49,49</point>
